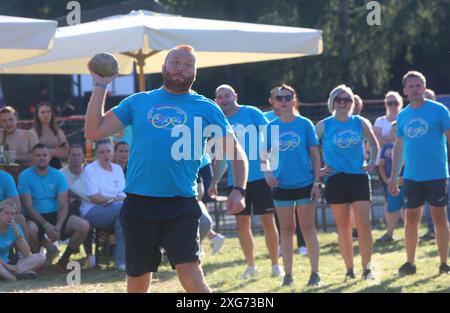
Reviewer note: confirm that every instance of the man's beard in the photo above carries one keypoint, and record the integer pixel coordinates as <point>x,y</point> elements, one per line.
<point>42,167</point>
<point>176,85</point>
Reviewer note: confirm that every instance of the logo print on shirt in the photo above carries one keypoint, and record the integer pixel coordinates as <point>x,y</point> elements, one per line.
<point>166,116</point>
<point>416,128</point>
<point>346,139</point>
<point>289,141</point>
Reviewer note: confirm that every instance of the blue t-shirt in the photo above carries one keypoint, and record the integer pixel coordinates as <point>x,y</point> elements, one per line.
<point>205,160</point>
<point>7,186</point>
<point>44,190</point>
<point>7,240</point>
<point>247,122</point>
<point>423,133</point>
<point>343,145</point>
<point>270,115</point>
<point>294,168</point>
<point>152,168</point>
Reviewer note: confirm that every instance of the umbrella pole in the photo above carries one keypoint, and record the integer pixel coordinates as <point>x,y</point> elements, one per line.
<point>140,61</point>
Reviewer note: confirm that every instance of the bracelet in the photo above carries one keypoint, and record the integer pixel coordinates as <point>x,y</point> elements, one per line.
<point>104,86</point>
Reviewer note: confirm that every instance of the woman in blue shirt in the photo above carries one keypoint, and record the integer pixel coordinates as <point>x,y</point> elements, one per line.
<point>11,235</point>
<point>348,183</point>
<point>294,177</point>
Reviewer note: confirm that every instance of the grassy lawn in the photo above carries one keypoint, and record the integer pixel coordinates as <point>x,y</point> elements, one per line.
<point>223,270</point>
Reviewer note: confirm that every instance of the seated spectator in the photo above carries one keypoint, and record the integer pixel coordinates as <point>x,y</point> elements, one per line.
<point>11,235</point>
<point>72,172</point>
<point>49,133</point>
<point>8,190</point>
<point>44,194</point>
<point>121,152</point>
<point>104,184</point>
<point>20,141</point>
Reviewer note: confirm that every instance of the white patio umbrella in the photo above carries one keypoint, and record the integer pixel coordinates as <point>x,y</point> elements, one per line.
<point>23,38</point>
<point>142,34</point>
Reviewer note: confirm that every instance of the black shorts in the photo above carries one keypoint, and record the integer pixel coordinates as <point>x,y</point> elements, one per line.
<point>283,194</point>
<point>52,218</point>
<point>258,198</point>
<point>348,188</point>
<point>435,192</point>
<point>144,237</point>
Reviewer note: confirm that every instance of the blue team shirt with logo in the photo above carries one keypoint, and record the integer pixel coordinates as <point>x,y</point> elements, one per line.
<point>423,133</point>
<point>248,116</point>
<point>294,168</point>
<point>44,190</point>
<point>7,186</point>
<point>343,145</point>
<point>153,170</point>
<point>7,240</point>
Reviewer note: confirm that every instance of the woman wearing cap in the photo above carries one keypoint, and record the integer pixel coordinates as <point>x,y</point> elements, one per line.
<point>348,182</point>
<point>294,180</point>
<point>11,235</point>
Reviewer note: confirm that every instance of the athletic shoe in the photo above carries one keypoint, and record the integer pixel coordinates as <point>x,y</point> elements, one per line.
<point>407,269</point>
<point>350,274</point>
<point>302,250</point>
<point>428,236</point>
<point>251,271</point>
<point>90,261</point>
<point>386,238</point>
<point>217,243</point>
<point>368,274</point>
<point>287,280</point>
<point>121,268</point>
<point>27,275</point>
<point>444,269</point>
<point>354,234</point>
<point>277,271</point>
<point>51,254</point>
<point>314,280</point>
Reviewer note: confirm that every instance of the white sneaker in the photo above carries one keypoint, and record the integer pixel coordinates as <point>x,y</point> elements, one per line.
<point>302,250</point>
<point>90,261</point>
<point>277,271</point>
<point>249,272</point>
<point>217,243</point>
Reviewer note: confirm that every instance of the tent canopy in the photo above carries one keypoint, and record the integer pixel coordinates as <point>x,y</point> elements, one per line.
<point>22,38</point>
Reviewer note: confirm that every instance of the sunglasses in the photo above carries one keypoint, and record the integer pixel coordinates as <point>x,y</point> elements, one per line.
<point>392,103</point>
<point>342,99</point>
<point>286,98</point>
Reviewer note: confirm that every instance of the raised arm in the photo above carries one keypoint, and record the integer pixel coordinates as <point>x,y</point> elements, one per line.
<point>99,125</point>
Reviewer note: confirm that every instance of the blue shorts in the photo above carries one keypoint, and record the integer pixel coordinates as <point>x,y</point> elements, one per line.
<point>394,204</point>
<point>283,197</point>
<point>291,203</point>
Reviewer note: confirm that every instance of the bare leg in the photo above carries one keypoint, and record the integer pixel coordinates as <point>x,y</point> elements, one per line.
<point>140,284</point>
<point>361,210</point>
<point>307,219</point>
<point>191,277</point>
<point>287,228</point>
<point>271,236</point>
<point>344,227</point>
<point>245,237</point>
<point>439,215</point>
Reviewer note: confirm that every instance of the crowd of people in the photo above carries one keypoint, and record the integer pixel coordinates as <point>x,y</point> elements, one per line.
<point>160,208</point>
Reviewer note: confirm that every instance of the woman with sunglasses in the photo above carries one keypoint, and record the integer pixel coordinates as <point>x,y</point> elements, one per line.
<point>11,235</point>
<point>348,183</point>
<point>393,103</point>
<point>294,177</point>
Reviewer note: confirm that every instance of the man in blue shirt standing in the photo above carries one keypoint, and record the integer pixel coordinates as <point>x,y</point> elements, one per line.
<point>247,122</point>
<point>44,194</point>
<point>422,128</point>
<point>161,210</point>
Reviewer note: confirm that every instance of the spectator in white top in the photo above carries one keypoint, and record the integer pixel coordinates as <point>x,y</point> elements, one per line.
<point>393,103</point>
<point>104,183</point>
<point>72,172</point>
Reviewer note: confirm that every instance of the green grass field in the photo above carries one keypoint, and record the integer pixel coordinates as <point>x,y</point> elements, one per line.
<point>223,270</point>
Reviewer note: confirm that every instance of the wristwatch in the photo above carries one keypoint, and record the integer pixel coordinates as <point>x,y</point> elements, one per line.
<point>240,189</point>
